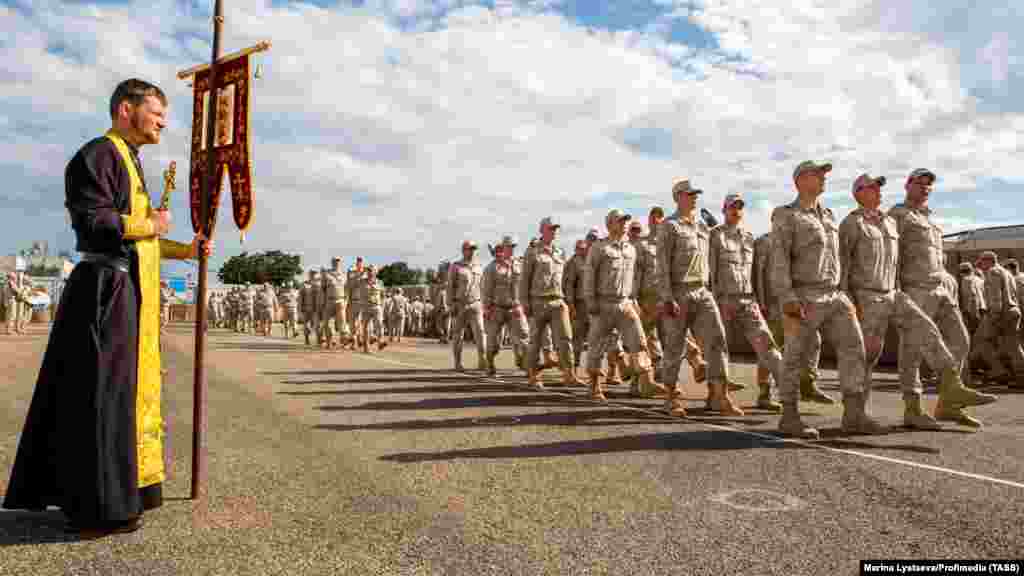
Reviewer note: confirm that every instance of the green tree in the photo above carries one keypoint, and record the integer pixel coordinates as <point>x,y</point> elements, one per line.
<point>273,266</point>
<point>430,276</point>
<point>399,274</point>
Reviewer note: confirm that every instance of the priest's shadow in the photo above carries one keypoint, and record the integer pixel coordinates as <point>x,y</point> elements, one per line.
<point>20,527</point>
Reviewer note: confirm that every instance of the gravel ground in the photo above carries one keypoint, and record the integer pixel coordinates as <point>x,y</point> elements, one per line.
<point>343,463</point>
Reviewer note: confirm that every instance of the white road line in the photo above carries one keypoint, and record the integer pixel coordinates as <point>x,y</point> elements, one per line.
<point>761,435</point>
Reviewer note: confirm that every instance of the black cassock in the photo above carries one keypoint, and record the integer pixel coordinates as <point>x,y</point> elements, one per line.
<point>78,450</point>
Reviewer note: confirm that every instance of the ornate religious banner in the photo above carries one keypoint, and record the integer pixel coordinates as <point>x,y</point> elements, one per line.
<point>231,142</point>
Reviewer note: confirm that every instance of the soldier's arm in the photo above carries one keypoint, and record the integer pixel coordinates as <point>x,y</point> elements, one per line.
<point>782,246</point>
<point>847,245</point>
<point>449,289</point>
<point>714,249</point>
<point>758,280</point>
<point>569,281</point>
<point>525,279</point>
<point>487,286</point>
<point>664,241</point>
<point>639,272</point>
<point>590,270</point>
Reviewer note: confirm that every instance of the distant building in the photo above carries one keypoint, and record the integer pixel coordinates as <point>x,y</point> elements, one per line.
<point>966,246</point>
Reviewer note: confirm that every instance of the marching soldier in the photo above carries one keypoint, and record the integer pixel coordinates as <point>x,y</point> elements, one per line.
<point>540,289</point>
<point>771,310</point>
<point>372,314</point>
<point>999,327</point>
<point>165,306</point>
<point>572,286</point>
<point>399,312</point>
<point>290,303</point>
<point>310,301</point>
<point>920,277</point>
<point>806,276</point>
<point>335,305</point>
<point>417,316</point>
<point>730,262</point>
<point>682,249</point>
<point>1018,281</point>
<point>268,308</point>
<point>608,286</point>
<point>501,304</point>
<point>353,286</point>
<point>441,311</point>
<point>464,278</point>
<point>646,288</point>
<point>868,252</point>
<point>972,307</point>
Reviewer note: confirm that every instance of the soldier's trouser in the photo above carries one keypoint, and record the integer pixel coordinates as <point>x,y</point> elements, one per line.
<point>812,354</point>
<point>747,318</point>
<point>517,329</point>
<point>699,313</point>
<point>291,319</point>
<point>398,326</point>
<point>615,314</point>
<point>443,321</point>
<point>334,321</point>
<point>312,324</point>
<point>876,311</point>
<point>649,318</point>
<point>472,316</point>
<point>835,315</point>
<point>355,319</point>
<point>938,305</point>
<point>372,318</point>
<point>580,330</point>
<point>11,309</point>
<point>998,333</point>
<point>550,319</point>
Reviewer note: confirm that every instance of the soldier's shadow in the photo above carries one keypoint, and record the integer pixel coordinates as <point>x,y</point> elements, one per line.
<point>18,528</point>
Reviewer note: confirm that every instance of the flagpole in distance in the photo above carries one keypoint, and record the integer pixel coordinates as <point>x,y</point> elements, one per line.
<point>208,185</point>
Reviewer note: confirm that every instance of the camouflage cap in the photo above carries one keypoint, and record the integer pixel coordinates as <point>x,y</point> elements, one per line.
<point>636,225</point>
<point>657,211</point>
<point>865,180</point>
<point>549,221</point>
<point>682,186</point>
<point>336,259</point>
<point>508,240</point>
<point>921,172</point>
<point>615,215</point>
<point>966,267</point>
<point>732,200</point>
<point>988,255</point>
<point>1010,261</point>
<point>809,165</point>
<point>469,244</point>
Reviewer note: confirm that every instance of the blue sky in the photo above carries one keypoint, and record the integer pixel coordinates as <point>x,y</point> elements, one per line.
<point>396,128</point>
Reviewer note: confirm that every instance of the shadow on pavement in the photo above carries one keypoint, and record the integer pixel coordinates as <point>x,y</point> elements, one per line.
<point>464,389</point>
<point>704,440</point>
<point>456,403</point>
<point>577,418</point>
<point>19,527</point>
<point>261,347</point>
<point>361,372</point>
<point>402,380</point>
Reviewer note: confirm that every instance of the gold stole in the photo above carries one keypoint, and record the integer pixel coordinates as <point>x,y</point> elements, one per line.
<point>149,248</point>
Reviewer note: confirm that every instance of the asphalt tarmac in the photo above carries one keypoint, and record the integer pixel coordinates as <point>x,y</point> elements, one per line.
<point>346,463</point>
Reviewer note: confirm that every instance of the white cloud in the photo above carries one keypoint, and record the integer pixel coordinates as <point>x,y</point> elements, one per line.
<point>400,142</point>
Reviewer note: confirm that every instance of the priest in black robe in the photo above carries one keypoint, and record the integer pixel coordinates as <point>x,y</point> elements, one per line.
<point>79,449</point>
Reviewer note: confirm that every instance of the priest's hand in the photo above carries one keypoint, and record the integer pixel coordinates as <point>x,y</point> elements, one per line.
<point>197,241</point>
<point>161,220</point>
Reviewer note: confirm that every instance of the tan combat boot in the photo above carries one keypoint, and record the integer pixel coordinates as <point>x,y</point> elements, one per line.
<point>723,402</point>
<point>644,378</point>
<point>381,344</point>
<point>550,360</point>
<point>856,420</point>
<point>955,395</point>
<point>613,369</point>
<point>915,417</point>
<point>491,370</point>
<point>533,379</point>
<point>700,372</point>
<point>481,363</point>
<point>765,400</point>
<point>809,391</point>
<point>594,379</point>
<point>944,413</point>
<point>569,377</point>
<point>791,425</point>
<point>674,404</point>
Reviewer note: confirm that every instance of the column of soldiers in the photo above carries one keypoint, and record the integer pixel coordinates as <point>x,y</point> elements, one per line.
<point>15,293</point>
